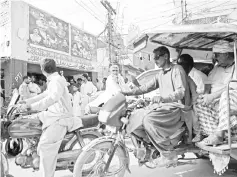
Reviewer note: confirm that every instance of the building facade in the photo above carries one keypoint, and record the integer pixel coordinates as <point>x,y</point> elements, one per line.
<point>29,34</point>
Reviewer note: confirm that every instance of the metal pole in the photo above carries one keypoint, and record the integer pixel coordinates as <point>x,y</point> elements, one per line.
<point>228,98</point>
<point>235,58</point>
<point>109,35</point>
<point>182,11</point>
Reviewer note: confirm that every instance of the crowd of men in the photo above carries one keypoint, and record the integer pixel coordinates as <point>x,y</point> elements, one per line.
<point>81,90</point>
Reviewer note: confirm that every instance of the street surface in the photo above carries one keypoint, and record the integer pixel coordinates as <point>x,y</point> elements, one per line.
<point>187,168</point>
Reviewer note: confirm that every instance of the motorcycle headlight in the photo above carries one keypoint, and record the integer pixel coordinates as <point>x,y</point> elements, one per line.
<point>103,116</point>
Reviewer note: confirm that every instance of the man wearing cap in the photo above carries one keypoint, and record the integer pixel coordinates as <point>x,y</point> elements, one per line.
<point>212,106</point>
<point>163,119</point>
<point>114,84</point>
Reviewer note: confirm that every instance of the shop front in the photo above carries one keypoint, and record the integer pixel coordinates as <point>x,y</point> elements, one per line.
<point>36,35</point>
<point>72,67</point>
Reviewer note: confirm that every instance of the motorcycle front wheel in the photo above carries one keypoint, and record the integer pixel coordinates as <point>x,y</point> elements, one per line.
<point>89,165</point>
<point>87,138</point>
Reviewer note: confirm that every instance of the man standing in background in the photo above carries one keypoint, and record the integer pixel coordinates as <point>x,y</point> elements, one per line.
<point>24,90</point>
<point>33,87</point>
<point>87,89</point>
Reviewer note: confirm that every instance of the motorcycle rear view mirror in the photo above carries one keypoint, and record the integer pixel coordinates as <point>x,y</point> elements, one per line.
<point>134,81</point>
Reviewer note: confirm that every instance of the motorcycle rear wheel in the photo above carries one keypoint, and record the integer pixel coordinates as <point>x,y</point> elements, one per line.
<point>103,147</point>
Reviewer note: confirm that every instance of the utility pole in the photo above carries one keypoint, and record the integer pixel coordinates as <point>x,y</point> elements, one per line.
<point>186,12</point>
<point>111,12</point>
<point>182,11</point>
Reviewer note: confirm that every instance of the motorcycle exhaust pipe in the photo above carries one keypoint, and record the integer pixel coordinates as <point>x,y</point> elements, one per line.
<point>69,155</point>
<point>67,159</point>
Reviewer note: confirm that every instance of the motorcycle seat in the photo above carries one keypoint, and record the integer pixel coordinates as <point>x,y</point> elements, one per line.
<point>90,120</point>
<point>94,110</point>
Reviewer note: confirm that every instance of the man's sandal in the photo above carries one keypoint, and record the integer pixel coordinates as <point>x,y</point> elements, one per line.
<point>197,138</point>
<point>212,140</point>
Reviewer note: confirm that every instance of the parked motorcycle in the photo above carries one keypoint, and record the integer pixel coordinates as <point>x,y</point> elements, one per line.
<point>4,164</point>
<point>28,128</point>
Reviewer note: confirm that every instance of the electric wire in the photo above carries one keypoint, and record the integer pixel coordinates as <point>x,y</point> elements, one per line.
<point>89,12</point>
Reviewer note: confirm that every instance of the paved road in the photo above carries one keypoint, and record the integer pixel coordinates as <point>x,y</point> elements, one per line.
<point>194,168</point>
<point>187,168</point>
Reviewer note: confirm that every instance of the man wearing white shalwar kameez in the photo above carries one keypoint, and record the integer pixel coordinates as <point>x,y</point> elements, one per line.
<point>76,101</point>
<point>87,90</point>
<point>56,116</point>
<point>114,84</point>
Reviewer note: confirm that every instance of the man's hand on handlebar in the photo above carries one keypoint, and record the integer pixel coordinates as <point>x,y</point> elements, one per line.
<point>22,102</point>
<point>157,99</point>
<point>23,107</point>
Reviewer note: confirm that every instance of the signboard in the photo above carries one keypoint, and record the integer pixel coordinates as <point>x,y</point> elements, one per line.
<point>48,31</point>
<point>5,17</point>
<point>65,61</point>
<point>5,28</point>
<point>208,20</point>
<point>133,33</point>
<point>83,45</point>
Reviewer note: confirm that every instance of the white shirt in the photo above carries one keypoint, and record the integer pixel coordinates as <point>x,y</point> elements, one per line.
<point>76,103</point>
<point>199,79</point>
<point>55,103</point>
<point>34,89</point>
<point>24,91</point>
<point>88,88</point>
<point>114,85</point>
<point>219,77</point>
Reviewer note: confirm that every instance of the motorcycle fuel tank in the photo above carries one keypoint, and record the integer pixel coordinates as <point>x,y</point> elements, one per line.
<point>113,110</point>
<point>25,128</point>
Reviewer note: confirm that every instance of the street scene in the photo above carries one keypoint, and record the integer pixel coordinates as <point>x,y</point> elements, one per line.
<point>123,88</point>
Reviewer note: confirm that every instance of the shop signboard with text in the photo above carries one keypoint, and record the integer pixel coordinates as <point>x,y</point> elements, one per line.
<point>48,31</point>
<point>83,45</point>
<point>66,61</point>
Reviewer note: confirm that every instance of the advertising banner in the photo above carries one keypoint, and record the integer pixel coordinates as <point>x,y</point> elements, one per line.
<point>65,61</point>
<point>48,31</point>
<point>83,45</point>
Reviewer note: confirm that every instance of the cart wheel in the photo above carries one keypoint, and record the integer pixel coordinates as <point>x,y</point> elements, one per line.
<point>17,147</point>
<point>201,156</point>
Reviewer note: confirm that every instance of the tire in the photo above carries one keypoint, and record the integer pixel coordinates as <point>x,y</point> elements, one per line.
<point>201,156</point>
<point>87,135</point>
<point>18,147</point>
<point>2,169</point>
<point>4,165</point>
<point>103,146</point>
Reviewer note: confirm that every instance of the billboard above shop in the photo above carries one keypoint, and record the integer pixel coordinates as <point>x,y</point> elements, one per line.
<point>35,55</point>
<point>48,31</point>
<point>83,45</point>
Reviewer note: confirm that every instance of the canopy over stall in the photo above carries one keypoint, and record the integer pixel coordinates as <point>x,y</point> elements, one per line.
<point>186,38</point>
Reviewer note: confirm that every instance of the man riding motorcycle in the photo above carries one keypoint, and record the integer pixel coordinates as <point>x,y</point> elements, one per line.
<point>164,117</point>
<point>56,116</point>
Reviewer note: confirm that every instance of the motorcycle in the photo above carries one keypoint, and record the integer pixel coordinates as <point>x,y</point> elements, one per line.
<point>112,150</point>
<point>4,164</point>
<point>24,126</point>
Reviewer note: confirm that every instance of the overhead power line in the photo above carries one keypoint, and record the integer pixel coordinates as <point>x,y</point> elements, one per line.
<point>214,11</point>
<point>96,6</point>
<point>173,9</point>
<point>215,6</point>
<point>157,26</point>
<point>90,9</point>
<point>89,12</point>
